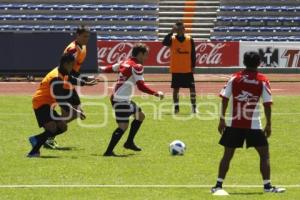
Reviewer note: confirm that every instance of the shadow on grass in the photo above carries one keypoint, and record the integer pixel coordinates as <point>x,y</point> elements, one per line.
<point>178,115</point>
<point>115,156</point>
<point>246,193</point>
<point>49,157</point>
<point>66,149</point>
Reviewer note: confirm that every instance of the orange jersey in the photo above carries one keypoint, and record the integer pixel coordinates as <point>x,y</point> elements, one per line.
<point>78,52</point>
<point>44,93</point>
<point>181,53</point>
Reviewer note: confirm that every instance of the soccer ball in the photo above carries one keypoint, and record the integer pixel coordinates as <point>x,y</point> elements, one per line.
<point>177,147</point>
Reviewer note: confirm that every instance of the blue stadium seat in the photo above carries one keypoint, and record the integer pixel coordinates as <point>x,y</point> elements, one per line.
<point>260,8</point>
<point>110,37</point>
<point>256,38</point>
<point>253,19</point>
<point>255,29</point>
<point>31,6</point>
<point>72,28</point>
<point>79,17</point>
<point>34,22</point>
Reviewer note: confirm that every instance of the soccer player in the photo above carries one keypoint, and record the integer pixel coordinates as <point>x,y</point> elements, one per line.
<point>245,89</point>
<point>55,88</point>
<point>182,63</point>
<point>130,75</point>
<point>79,50</point>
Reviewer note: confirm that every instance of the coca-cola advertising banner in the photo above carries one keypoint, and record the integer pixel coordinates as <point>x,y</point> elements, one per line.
<point>279,54</point>
<point>208,54</point>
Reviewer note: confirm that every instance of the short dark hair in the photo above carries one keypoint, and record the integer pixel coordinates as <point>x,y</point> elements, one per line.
<point>252,59</point>
<point>66,58</point>
<point>139,47</point>
<point>179,23</point>
<point>82,29</point>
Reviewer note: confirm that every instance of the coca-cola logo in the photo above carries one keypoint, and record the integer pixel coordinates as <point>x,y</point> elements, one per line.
<point>121,51</point>
<point>207,54</point>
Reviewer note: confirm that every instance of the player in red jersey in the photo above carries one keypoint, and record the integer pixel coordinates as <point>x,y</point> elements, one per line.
<point>130,75</point>
<point>245,89</point>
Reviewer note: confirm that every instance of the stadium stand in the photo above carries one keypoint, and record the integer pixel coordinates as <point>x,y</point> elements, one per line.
<point>198,16</point>
<point>129,20</point>
<point>254,20</point>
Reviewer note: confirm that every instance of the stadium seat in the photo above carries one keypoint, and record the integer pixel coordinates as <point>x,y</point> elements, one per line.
<point>256,38</point>
<point>253,19</point>
<point>256,29</point>
<point>112,37</point>
<point>260,8</point>
<point>72,28</point>
<point>79,17</point>
<point>79,6</point>
<point>117,18</point>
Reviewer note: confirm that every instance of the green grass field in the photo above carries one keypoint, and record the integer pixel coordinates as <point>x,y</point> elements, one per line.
<point>84,165</point>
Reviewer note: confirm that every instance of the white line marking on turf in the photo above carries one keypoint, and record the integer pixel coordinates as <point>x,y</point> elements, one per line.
<point>137,186</point>
<point>99,113</point>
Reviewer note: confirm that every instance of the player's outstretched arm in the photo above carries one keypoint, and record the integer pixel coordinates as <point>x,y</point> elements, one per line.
<point>81,82</point>
<point>61,96</point>
<point>110,68</point>
<point>144,88</point>
<point>79,113</point>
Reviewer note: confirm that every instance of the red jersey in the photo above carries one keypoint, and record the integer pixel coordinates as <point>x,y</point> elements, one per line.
<point>245,89</point>
<point>130,75</point>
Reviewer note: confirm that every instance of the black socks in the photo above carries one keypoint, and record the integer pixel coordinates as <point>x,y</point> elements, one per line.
<point>135,126</point>
<point>115,138</point>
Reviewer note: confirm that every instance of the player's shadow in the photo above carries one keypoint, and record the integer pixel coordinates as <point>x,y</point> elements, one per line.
<point>49,157</point>
<point>66,149</point>
<point>246,193</point>
<point>115,156</point>
<point>178,115</point>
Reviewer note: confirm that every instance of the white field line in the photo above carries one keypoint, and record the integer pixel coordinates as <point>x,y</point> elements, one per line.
<point>149,113</point>
<point>138,186</point>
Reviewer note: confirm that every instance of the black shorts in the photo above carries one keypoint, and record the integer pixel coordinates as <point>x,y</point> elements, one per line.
<point>235,137</point>
<point>183,80</point>
<point>74,100</point>
<point>123,110</point>
<point>45,114</point>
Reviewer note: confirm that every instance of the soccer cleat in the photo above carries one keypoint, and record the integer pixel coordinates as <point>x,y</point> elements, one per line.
<point>132,146</point>
<point>274,189</point>
<point>218,191</point>
<point>34,155</point>
<point>195,110</point>
<point>108,154</point>
<point>176,110</point>
<point>214,189</point>
<point>33,142</point>
<point>51,144</point>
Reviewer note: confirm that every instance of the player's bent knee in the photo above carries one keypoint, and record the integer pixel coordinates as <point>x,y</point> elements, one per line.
<point>51,127</point>
<point>141,116</point>
<point>61,127</point>
<point>123,126</point>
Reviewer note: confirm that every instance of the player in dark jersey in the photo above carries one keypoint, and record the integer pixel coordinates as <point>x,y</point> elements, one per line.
<point>245,89</point>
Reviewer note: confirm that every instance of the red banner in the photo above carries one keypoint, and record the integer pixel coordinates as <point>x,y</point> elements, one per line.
<point>208,54</point>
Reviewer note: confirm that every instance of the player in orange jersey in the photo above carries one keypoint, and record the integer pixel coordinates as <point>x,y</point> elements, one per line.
<point>78,48</point>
